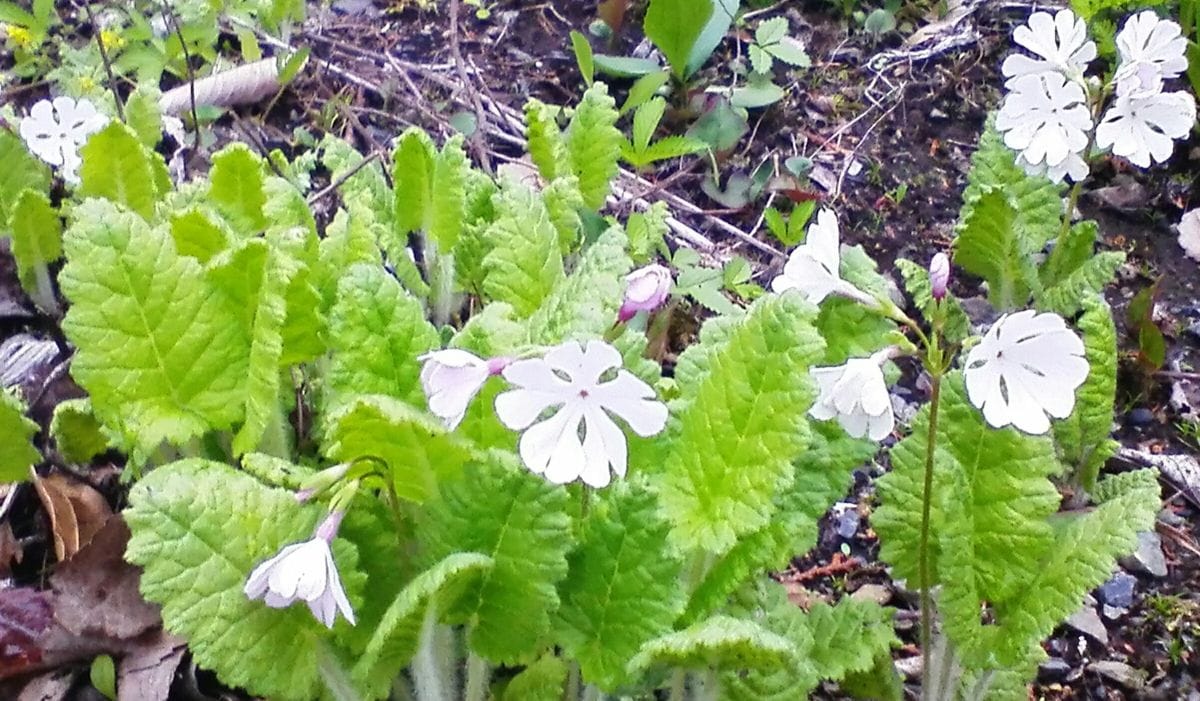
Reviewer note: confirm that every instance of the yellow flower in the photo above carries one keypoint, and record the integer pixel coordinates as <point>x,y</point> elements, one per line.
<point>111,39</point>
<point>19,36</point>
<point>86,84</point>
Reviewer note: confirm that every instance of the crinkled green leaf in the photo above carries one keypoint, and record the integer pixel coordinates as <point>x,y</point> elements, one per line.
<point>1083,438</point>
<point>646,231</point>
<point>286,209</point>
<point>17,453</point>
<point>524,264</point>
<point>848,637</point>
<point>497,508</point>
<point>594,144</point>
<point>21,172</point>
<point>394,641</point>
<point>198,530</point>
<point>623,588</point>
<point>850,330</point>
<point>412,179</point>
<point>546,147</point>
<point>720,642</point>
<point>822,473</point>
<point>366,187</point>
<point>143,116</point>
<point>377,331</point>
<point>563,203</point>
<point>448,198</point>
<point>197,235</point>
<point>541,681</point>
<point>1090,278</point>
<point>585,303</point>
<point>237,181</point>
<point>766,602</point>
<point>77,432</point>
<point>416,448</point>
<point>741,424</point>
<point>156,344</point>
<point>916,280</point>
<point>36,237</point>
<point>118,168</point>
<point>349,240</point>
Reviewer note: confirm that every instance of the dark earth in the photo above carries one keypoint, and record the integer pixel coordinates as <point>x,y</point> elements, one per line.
<point>891,147</point>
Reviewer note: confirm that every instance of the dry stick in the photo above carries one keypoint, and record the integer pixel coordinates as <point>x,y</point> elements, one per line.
<point>344,177</point>
<point>480,118</point>
<point>112,79</point>
<point>169,17</point>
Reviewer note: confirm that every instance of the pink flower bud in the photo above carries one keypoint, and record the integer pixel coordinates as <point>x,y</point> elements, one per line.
<point>646,290</point>
<point>939,275</point>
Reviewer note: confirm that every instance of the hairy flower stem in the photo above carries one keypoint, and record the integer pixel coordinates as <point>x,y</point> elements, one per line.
<point>429,676</point>
<point>479,673</point>
<point>923,549</point>
<point>678,685</point>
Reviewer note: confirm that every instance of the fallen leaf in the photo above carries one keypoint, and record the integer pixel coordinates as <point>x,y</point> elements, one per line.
<point>147,672</point>
<point>10,549</point>
<point>613,13</point>
<point>77,512</point>
<point>1189,233</point>
<point>26,616</point>
<point>52,686</point>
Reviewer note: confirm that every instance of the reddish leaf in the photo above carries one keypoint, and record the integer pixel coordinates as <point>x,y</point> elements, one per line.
<point>613,13</point>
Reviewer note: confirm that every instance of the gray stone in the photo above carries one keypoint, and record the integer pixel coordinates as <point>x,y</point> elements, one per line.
<point>1121,673</point>
<point>1088,622</point>
<point>1118,591</point>
<point>879,593</point>
<point>1140,416</point>
<point>847,522</point>
<point>1054,669</point>
<point>1112,613</point>
<point>909,667</point>
<point>1148,558</point>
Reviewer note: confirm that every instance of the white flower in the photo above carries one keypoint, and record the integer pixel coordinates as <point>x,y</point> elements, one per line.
<point>303,572</point>
<point>54,131</point>
<point>1189,233</point>
<point>1045,118</point>
<point>1073,167</point>
<point>856,395</point>
<point>451,378</point>
<point>1028,366</point>
<point>1152,50</point>
<point>939,275</point>
<point>1141,129</point>
<point>1060,42</point>
<point>568,378</point>
<point>646,289</point>
<point>813,267</point>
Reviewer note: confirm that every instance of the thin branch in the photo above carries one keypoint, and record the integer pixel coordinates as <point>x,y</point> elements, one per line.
<point>344,177</point>
<point>480,117</point>
<point>112,78</point>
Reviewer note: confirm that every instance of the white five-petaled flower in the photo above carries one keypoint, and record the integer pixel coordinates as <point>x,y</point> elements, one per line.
<point>813,268</point>
<point>1152,50</point>
<point>646,289</point>
<point>856,394</point>
<point>451,378</point>
<point>1143,128</point>
<point>1045,118</point>
<point>579,440</point>
<point>1060,42</point>
<point>1026,370</point>
<point>304,572</point>
<point>54,131</point>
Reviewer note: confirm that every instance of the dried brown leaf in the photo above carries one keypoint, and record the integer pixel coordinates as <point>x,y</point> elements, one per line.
<point>77,512</point>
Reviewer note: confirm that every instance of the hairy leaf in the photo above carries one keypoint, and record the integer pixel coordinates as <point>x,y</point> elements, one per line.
<point>238,179</point>
<point>377,331</point>
<point>197,235</point>
<point>623,588</point>
<point>198,530</point>
<point>156,345</point>
<point>741,424</point>
<point>1083,438</point>
<point>412,178</point>
<point>585,303</point>
<point>118,168</point>
<point>77,432</point>
<point>524,263</point>
<point>497,508</point>
<point>36,239</point>
<point>541,681</point>
<point>547,149</point>
<point>416,449</point>
<point>720,642</point>
<point>594,144</point>
<point>17,453</point>
<point>21,172</point>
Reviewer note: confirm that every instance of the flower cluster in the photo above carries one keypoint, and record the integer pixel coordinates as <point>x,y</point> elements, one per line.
<point>1049,113</point>
<point>54,131</point>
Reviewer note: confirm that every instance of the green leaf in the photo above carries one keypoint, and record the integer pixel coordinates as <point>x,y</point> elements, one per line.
<point>849,636</point>
<point>36,238</point>
<point>412,178</point>
<point>720,642</point>
<point>376,332</point>
<point>349,240</point>
<point>416,449</point>
<point>497,508</point>
<point>238,179</point>
<point>594,144</point>
<point>394,641</point>
<point>821,476</point>
<point>790,51</point>
<point>17,453</point>
<point>1083,439</point>
<point>143,116</point>
<point>851,330</point>
<point>197,235</point>
<point>623,588</point>
<point>647,231</point>
<point>741,423</point>
<point>77,432</point>
<point>524,263</point>
<point>760,60</point>
<point>541,681</point>
<point>198,530</point>
<point>21,172</point>
<point>447,202</point>
<point>645,122</point>
<point>547,149</point>
<point>625,66</point>
<point>118,168</point>
<point>674,26</point>
<point>643,89</point>
<point>1064,295</point>
<point>713,34</point>
<point>916,280</point>
<point>156,345</point>
<point>583,56</point>
<point>765,602</point>
<point>585,303</point>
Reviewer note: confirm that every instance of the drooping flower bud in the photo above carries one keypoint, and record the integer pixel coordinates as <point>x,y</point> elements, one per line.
<point>646,290</point>
<point>451,378</point>
<point>939,275</point>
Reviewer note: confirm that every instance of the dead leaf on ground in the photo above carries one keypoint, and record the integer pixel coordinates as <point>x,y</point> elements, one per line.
<point>147,672</point>
<point>613,13</point>
<point>77,511</point>
<point>51,686</point>
<point>10,550</point>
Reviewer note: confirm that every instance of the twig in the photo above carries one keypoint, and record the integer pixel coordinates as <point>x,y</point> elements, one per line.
<point>1177,375</point>
<point>112,79</point>
<point>344,177</point>
<point>476,137</point>
<point>170,19</point>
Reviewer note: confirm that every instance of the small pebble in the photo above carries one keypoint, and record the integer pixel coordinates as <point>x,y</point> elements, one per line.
<point>1118,591</point>
<point>1054,669</point>
<point>1140,416</point>
<point>1148,558</point>
<point>1119,672</point>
